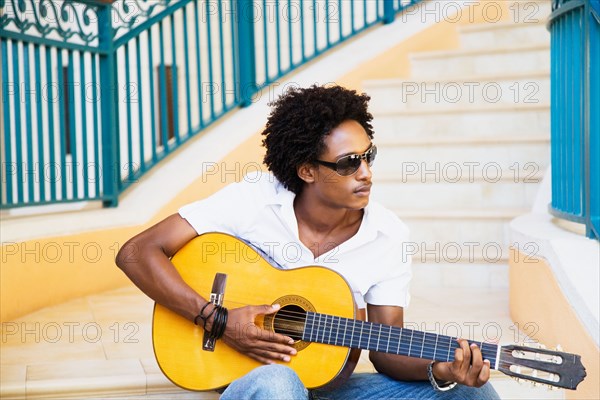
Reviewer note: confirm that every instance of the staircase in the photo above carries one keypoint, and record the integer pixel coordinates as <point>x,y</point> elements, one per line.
<point>463,145</point>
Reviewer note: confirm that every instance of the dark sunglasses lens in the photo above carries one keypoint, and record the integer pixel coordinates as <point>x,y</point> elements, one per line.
<point>370,156</point>
<point>348,165</point>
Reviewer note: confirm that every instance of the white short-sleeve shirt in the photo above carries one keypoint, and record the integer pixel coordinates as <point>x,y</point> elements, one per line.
<point>259,210</point>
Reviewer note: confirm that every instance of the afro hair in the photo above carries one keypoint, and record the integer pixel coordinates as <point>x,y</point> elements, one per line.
<point>299,122</point>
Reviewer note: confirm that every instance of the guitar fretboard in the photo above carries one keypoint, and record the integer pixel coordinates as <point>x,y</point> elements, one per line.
<point>329,329</point>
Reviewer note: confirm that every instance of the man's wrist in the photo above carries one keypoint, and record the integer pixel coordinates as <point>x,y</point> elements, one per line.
<point>439,372</point>
<point>441,385</point>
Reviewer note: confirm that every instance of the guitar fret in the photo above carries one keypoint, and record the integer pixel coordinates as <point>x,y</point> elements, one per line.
<point>337,329</point>
<point>410,343</point>
<point>387,348</point>
<point>360,334</point>
<point>435,347</point>
<point>422,346</point>
<point>306,324</point>
<point>321,328</point>
<point>449,347</point>
<point>352,335</point>
<point>345,328</point>
<point>399,341</point>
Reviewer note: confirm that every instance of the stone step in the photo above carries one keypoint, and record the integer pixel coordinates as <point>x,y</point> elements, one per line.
<point>496,120</point>
<point>448,63</point>
<point>505,193</point>
<point>392,95</point>
<point>479,234</point>
<point>449,162</point>
<point>460,274</point>
<point>505,34</point>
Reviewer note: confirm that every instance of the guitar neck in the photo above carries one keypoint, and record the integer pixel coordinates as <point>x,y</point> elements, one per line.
<point>329,329</point>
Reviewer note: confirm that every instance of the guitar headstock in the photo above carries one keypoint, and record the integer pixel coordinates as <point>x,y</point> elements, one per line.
<point>544,366</point>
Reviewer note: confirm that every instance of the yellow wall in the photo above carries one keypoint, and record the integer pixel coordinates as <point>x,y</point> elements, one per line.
<point>536,296</point>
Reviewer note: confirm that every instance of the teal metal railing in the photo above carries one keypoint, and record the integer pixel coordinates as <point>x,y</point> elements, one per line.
<point>575,112</point>
<point>95,93</point>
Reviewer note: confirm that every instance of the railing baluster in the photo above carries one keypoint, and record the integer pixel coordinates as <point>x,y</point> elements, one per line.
<point>210,61</point>
<point>109,99</point>
<point>72,126</point>
<point>174,79</point>
<point>278,36</point>
<point>84,130</point>
<point>18,133</point>
<point>29,166</point>
<point>186,45</point>
<point>51,137</point>
<point>290,35</point>
<point>302,33</point>
<point>234,61</point>
<point>62,130</point>
<point>153,113</point>
<point>129,133</point>
<point>198,63</point>
<point>265,41</point>
<point>140,101</point>
<point>223,87</point>
<point>340,20</point>
<point>315,23</point>
<point>8,165</point>
<point>40,124</point>
<point>95,104</point>
<point>163,93</point>
<point>246,47</point>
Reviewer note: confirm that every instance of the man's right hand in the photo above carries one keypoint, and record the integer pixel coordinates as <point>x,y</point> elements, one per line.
<point>245,336</point>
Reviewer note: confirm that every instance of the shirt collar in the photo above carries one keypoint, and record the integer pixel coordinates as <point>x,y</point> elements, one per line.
<point>372,224</point>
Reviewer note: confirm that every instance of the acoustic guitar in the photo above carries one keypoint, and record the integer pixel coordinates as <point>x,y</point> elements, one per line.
<point>319,313</point>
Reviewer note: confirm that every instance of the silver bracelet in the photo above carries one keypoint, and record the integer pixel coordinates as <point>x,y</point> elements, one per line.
<point>437,386</point>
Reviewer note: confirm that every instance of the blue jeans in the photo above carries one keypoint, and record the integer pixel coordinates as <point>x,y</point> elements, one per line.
<point>274,382</point>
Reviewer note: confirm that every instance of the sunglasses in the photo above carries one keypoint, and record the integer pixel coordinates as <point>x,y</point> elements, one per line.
<point>349,164</point>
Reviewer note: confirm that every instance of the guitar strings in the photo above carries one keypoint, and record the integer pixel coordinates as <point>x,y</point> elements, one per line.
<point>365,325</point>
<point>292,316</point>
<point>398,340</point>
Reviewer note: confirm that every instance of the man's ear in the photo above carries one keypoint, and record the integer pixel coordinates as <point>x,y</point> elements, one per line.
<point>307,172</point>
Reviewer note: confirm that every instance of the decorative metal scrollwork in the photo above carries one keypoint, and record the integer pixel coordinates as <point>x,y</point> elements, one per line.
<point>74,21</point>
<point>52,19</point>
<point>129,13</point>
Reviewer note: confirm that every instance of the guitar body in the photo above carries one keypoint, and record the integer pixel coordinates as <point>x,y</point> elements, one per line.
<point>251,280</point>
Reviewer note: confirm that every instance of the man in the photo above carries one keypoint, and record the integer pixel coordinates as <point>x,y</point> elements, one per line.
<point>319,149</point>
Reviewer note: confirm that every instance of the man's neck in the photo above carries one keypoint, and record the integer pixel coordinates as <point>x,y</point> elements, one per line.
<point>322,219</point>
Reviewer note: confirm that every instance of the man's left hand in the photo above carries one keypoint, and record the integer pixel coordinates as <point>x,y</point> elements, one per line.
<point>468,367</point>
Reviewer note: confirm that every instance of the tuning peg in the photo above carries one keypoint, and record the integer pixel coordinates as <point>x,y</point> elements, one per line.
<point>537,384</point>
<point>558,347</point>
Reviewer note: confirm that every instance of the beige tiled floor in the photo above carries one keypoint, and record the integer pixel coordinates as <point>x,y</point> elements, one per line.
<point>101,346</point>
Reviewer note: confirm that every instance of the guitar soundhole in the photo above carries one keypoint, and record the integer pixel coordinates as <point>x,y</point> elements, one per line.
<point>289,321</point>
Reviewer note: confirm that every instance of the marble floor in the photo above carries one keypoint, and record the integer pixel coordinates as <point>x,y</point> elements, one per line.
<point>100,346</point>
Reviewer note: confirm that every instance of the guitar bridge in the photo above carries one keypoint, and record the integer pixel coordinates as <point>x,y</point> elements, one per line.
<point>217,296</point>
